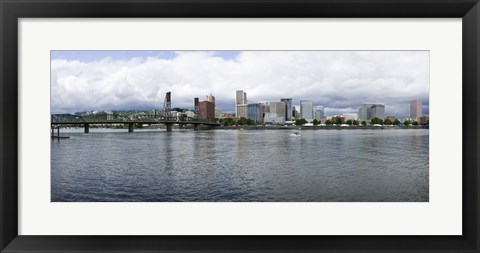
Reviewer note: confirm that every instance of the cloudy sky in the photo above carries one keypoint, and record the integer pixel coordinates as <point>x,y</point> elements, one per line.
<point>338,80</point>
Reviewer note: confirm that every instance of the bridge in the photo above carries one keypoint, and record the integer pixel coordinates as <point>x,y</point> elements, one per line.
<point>162,117</point>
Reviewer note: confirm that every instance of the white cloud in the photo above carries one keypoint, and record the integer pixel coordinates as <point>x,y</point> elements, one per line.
<point>338,80</point>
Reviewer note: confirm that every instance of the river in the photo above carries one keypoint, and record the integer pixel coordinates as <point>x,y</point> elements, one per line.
<point>241,165</point>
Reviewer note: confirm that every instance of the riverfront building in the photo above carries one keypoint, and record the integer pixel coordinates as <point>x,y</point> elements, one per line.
<point>211,98</point>
<point>206,110</point>
<point>378,111</point>
<point>416,109</point>
<point>318,112</point>
<point>306,110</point>
<point>218,113</point>
<point>369,111</point>
<point>242,111</point>
<point>278,109</point>
<point>241,104</point>
<point>255,112</point>
<point>288,108</point>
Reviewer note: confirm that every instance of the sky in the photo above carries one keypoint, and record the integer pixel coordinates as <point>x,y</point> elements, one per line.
<point>338,80</point>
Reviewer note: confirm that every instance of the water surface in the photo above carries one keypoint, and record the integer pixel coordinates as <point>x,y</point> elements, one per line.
<point>236,165</point>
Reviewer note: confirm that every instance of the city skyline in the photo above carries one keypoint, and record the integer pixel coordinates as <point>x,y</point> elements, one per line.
<point>338,80</point>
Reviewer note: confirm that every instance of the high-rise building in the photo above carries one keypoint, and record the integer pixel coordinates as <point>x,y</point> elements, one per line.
<point>294,113</point>
<point>255,112</point>
<point>377,111</point>
<point>369,111</point>
<point>318,112</point>
<point>416,109</point>
<point>206,110</point>
<point>240,100</point>
<point>218,113</point>
<point>277,109</point>
<point>242,111</point>
<point>211,98</point>
<point>288,108</point>
<point>306,110</point>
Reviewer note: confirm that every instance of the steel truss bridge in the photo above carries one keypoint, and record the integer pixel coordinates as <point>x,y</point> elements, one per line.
<point>163,117</point>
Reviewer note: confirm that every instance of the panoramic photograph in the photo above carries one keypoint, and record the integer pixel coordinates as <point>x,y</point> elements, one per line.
<point>239,126</point>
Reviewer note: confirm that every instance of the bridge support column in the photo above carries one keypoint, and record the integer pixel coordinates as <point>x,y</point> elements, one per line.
<point>53,130</point>
<point>195,126</point>
<point>130,127</point>
<point>169,127</point>
<point>87,128</point>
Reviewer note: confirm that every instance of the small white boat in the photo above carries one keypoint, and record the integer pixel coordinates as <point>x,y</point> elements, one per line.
<point>295,134</point>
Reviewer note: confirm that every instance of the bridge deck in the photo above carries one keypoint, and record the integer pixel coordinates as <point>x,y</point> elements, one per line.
<point>133,122</point>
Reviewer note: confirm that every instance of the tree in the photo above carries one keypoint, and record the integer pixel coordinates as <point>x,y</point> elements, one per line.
<point>242,121</point>
<point>338,121</point>
<point>415,123</point>
<point>300,122</point>
<point>250,122</point>
<point>406,122</point>
<point>376,121</point>
<point>227,121</point>
<point>315,122</point>
<point>349,122</point>
<point>396,122</point>
<point>355,123</point>
<point>364,123</point>
<point>328,122</point>
<point>388,122</point>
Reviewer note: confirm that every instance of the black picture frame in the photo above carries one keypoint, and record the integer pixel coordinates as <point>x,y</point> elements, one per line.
<point>12,10</point>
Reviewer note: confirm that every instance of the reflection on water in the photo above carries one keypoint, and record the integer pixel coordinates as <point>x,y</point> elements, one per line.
<point>236,165</point>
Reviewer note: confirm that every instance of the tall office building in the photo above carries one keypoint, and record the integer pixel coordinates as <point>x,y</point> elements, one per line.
<point>206,110</point>
<point>242,111</point>
<point>377,111</point>
<point>277,109</point>
<point>288,108</point>
<point>211,98</point>
<point>240,102</point>
<point>318,112</point>
<point>369,111</point>
<point>306,110</point>
<point>255,112</point>
<point>416,109</point>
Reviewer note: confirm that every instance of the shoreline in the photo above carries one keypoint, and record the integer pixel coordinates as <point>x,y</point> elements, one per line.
<point>297,128</point>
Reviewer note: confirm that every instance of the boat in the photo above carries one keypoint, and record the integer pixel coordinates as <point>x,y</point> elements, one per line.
<point>295,134</point>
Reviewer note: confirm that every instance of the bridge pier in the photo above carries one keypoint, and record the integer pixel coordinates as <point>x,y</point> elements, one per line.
<point>53,130</point>
<point>130,127</point>
<point>195,126</point>
<point>169,126</point>
<point>87,128</point>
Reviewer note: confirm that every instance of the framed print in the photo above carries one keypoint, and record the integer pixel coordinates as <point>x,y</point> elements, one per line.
<point>239,126</point>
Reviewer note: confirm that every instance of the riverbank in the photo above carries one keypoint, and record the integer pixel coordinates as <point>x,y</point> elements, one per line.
<point>319,127</point>
<point>261,127</point>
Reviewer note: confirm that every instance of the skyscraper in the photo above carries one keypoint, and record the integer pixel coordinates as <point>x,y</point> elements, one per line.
<point>211,98</point>
<point>318,112</point>
<point>255,112</point>
<point>277,109</point>
<point>377,111</point>
<point>306,110</point>
<point>240,102</point>
<point>288,108</point>
<point>369,111</point>
<point>206,110</point>
<point>416,109</point>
